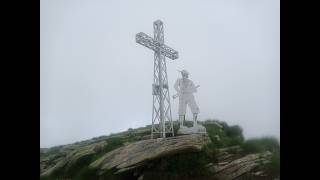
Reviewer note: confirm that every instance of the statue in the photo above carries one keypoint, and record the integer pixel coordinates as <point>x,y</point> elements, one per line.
<point>185,89</point>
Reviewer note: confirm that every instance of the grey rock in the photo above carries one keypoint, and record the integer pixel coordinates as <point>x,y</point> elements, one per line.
<point>198,129</point>
<point>230,149</point>
<point>232,170</point>
<point>70,158</point>
<point>136,154</point>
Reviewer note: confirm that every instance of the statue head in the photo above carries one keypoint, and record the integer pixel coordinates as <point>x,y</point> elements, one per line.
<point>184,73</point>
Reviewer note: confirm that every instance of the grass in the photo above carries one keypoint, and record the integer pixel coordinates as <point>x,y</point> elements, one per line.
<point>181,166</point>
<point>259,145</point>
<point>274,166</point>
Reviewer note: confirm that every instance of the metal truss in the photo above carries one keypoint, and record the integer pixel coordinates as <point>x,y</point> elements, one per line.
<point>150,43</point>
<point>161,108</point>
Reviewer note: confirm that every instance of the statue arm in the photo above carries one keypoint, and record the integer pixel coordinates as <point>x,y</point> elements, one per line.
<point>194,89</point>
<point>176,85</point>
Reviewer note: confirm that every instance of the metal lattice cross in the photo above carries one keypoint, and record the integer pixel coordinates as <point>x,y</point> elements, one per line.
<point>161,109</point>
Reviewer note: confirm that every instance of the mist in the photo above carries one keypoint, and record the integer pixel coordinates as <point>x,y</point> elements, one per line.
<point>96,80</point>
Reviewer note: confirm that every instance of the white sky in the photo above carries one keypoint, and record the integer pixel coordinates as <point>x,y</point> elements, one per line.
<point>96,80</point>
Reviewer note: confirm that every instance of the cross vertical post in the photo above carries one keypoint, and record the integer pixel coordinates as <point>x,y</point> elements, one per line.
<point>158,36</point>
<point>161,108</point>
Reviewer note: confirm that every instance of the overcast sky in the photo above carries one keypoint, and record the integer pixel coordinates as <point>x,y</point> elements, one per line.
<point>96,80</point>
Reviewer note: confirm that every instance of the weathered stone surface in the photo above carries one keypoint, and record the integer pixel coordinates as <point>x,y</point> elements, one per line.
<point>138,153</point>
<point>231,149</point>
<point>198,129</point>
<point>234,169</point>
<point>66,161</point>
<point>228,154</point>
<point>48,161</point>
<point>226,163</point>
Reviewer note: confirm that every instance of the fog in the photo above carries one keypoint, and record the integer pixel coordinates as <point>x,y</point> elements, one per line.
<point>96,80</point>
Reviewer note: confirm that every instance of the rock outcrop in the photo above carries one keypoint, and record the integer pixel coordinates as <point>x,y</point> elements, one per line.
<point>231,166</point>
<point>67,159</point>
<point>133,155</point>
<point>136,154</point>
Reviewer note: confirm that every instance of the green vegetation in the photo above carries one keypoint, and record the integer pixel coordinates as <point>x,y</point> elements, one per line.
<point>222,135</point>
<point>274,166</point>
<point>192,165</point>
<point>113,143</point>
<point>180,166</point>
<point>257,145</point>
<point>80,170</point>
<point>189,165</point>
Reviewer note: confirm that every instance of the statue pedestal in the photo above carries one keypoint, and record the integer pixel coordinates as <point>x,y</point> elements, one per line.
<point>198,129</point>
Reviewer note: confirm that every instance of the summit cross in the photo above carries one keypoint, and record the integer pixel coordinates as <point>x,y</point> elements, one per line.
<point>161,109</point>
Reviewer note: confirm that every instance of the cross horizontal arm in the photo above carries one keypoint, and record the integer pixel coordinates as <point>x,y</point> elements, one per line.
<point>150,43</point>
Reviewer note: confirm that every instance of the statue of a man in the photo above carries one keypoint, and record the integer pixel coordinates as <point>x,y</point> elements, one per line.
<point>185,88</point>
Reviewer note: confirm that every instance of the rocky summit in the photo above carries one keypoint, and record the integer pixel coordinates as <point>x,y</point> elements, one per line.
<point>138,153</point>
<point>219,153</point>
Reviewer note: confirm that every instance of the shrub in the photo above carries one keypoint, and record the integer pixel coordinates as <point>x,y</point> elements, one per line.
<point>180,166</point>
<point>234,132</point>
<point>229,135</point>
<point>113,143</point>
<point>274,166</point>
<point>257,145</point>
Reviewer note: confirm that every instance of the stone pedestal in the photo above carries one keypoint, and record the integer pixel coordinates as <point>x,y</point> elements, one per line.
<point>198,129</point>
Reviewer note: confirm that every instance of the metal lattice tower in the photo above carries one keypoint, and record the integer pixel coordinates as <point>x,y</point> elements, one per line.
<point>161,108</point>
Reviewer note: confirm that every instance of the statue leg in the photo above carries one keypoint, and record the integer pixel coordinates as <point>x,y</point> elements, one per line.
<point>195,116</point>
<point>181,119</point>
<point>182,110</point>
<point>195,109</point>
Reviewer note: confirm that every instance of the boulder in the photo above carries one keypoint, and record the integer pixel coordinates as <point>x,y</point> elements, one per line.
<point>229,170</point>
<point>138,153</point>
<point>71,158</point>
